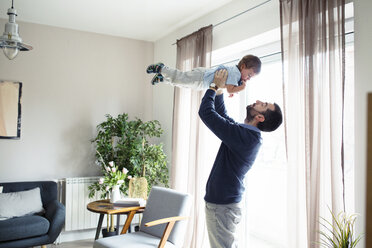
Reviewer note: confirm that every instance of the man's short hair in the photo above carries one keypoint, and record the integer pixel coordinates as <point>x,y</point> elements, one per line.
<point>251,61</point>
<point>273,119</point>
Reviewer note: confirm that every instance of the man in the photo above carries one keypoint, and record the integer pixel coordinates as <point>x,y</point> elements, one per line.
<point>238,150</point>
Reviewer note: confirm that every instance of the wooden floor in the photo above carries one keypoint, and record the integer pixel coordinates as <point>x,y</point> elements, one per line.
<point>257,243</point>
<point>75,244</point>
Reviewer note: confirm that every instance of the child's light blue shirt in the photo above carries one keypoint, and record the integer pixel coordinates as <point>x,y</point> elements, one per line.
<point>233,76</point>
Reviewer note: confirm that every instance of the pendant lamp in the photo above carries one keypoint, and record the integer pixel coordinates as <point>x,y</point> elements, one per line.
<point>10,41</point>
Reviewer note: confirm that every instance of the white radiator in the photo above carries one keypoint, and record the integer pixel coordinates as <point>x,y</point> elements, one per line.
<point>75,196</point>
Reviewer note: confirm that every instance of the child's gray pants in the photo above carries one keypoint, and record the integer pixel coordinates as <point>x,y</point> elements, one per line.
<point>193,79</point>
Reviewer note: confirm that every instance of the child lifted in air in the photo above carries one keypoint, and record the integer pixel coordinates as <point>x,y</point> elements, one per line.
<point>201,78</point>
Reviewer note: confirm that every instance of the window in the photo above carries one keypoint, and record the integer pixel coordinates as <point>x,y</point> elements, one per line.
<point>266,182</point>
<point>265,197</point>
<point>264,222</point>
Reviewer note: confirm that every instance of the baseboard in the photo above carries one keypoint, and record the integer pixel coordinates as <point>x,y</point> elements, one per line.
<point>76,235</point>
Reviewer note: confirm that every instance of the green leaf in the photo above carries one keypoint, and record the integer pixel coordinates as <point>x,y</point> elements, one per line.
<point>341,233</point>
<point>129,143</point>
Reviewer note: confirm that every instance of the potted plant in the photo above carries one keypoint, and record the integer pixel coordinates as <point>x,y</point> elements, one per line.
<point>113,179</point>
<point>340,234</point>
<point>127,143</point>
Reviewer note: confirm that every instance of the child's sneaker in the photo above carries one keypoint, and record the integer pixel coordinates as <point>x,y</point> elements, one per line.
<point>157,79</point>
<point>155,68</point>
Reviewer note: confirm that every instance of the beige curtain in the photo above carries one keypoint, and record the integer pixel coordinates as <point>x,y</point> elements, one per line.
<point>313,65</point>
<point>191,160</point>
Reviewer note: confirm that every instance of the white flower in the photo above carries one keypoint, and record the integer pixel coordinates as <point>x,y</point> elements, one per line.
<point>125,170</point>
<point>111,163</point>
<point>120,182</point>
<point>101,180</point>
<point>113,169</point>
<point>107,188</point>
<point>108,169</point>
<point>129,177</point>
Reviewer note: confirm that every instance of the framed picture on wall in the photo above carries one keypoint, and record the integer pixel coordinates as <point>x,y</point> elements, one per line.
<point>10,109</point>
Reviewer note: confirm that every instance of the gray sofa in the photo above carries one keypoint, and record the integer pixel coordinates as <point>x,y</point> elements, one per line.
<point>37,229</point>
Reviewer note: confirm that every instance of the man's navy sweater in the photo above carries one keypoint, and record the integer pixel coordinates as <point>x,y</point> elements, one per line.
<point>238,150</point>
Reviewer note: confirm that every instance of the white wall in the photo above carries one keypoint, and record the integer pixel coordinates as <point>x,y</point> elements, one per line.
<point>363,85</point>
<point>70,81</point>
<point>241,28</point>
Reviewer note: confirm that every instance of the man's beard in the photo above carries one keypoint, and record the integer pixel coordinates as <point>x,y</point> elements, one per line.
<point>250,116</point>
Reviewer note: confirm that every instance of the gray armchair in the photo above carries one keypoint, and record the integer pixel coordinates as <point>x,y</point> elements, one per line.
<point>160,225</point>
<point>33,230</point>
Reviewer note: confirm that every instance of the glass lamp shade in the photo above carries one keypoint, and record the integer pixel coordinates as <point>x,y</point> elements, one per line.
<point>10,52</point>
<point>10,40</point>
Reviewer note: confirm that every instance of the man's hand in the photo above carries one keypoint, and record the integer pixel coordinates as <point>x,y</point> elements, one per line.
<point>220,77</point>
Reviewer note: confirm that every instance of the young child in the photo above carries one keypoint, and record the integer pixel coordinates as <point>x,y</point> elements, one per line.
<point>201,78</point>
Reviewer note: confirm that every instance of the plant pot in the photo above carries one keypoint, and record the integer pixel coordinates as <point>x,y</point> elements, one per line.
<point>106,233</point>
<point>138,188</point>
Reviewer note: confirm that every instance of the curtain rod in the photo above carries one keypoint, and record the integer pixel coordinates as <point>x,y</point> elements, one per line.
<point>245,11</point>
<point>241,13</point>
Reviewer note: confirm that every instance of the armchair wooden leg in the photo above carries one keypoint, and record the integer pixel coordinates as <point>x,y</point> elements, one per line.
<point>166,234</point>
<point>171,221</point>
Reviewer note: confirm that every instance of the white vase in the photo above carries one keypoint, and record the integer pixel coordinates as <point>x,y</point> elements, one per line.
<point>115,194</point>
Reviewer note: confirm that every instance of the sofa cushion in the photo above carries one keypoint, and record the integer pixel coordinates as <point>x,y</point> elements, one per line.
<point>23,227</point>
<point>48,189</point>
<point>20,203</point>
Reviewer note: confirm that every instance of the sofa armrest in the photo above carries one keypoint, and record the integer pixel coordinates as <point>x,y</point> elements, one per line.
<point>55,213</point>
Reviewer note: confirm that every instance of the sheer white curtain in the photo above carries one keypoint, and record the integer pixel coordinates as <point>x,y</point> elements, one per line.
<point>313,48</point>
<point>191,155</point>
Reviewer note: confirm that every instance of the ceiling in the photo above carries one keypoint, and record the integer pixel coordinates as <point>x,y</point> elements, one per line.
<point>147,20</point>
